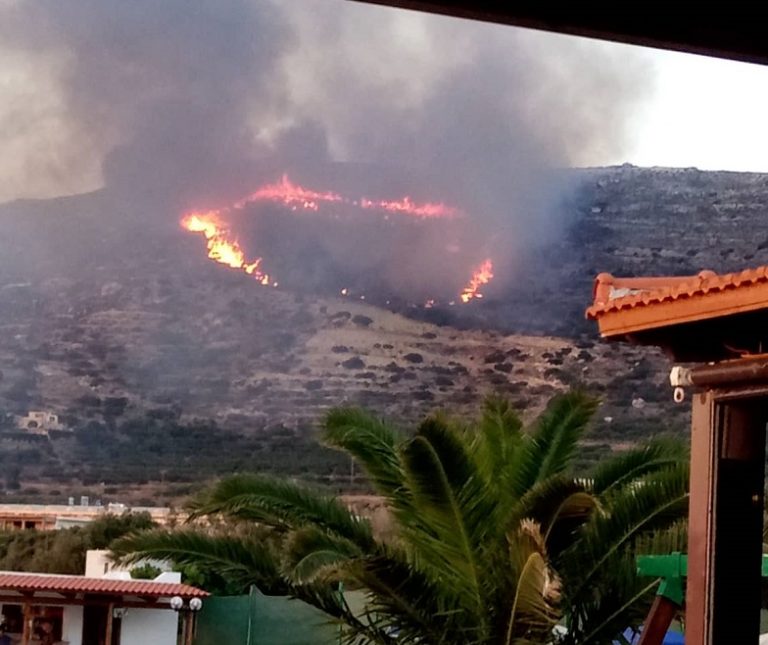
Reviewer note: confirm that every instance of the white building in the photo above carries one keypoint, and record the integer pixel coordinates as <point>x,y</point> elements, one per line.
<point>46,517</point>
<point>96,608</point>
<point>39,422</point>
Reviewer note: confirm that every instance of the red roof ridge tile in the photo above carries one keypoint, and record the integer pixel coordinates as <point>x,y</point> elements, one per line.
<point>23,581</point>
<point>613,294</point>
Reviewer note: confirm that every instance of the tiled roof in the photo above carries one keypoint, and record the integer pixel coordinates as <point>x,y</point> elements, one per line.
<point>623,305</point>
<point>30,582</point>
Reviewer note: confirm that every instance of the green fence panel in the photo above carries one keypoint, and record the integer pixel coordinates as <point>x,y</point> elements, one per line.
<point>224,621</point>
<point>267,620</point>
<point>285,621</point>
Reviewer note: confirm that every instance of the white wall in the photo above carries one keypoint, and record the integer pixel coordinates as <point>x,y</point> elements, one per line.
<point>72,629</point>
<point>149,627</point>
<point>168,576</point>
<point>97,564</point>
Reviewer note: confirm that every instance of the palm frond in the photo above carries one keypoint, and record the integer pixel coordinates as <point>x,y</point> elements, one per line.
<point>449,512</point>
<point>310,554</point>
<point>371,442</point>
<point>618,601</point>
<point>401,598</point>
<point>281,504</point>
<point>657,502</point>
<point>618,597</point>
<point>497,436</point>
<point>630,465</point>
<point>554,438</point>
<point>662,542</point>
<point>534,606</point>
<point>243,559</point>
<point>354,629</point>
<point>560,505</point>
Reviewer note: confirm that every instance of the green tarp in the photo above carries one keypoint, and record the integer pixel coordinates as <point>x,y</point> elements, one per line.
<point>257,619</point>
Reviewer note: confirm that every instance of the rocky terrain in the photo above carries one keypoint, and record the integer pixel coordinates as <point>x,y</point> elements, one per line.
<point>166,369</point>
<point>633,221</point>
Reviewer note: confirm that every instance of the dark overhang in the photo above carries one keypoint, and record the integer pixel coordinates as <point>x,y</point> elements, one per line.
<point>721,30</point>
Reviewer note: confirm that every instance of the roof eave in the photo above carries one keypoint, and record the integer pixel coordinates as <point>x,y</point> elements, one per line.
<point>629,317</point>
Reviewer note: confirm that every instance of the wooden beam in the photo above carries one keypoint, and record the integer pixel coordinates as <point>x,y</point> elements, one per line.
<point>725,522</point>
<point>703,444</point>
<point>663,612</point>
<point>110,619</point>
<point>27,632</point>
<point>188,618</point>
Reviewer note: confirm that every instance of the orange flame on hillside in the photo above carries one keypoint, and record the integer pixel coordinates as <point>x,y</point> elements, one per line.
<point>406,206</point>
<point>483,275</point>
<point>298,197</point>
<point>222,248</point>
<point>291,195</point>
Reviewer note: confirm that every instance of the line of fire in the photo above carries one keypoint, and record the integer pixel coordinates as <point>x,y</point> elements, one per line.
<point>332,210</point>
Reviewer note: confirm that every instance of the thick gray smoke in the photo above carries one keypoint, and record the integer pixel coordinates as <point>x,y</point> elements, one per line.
<point>166,89</point>
<point>490,113</point>
<point>202,99</point>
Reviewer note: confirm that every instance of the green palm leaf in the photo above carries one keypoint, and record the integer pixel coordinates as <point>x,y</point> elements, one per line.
<point>655,503</point>
<point>498,436</point>
<point>619,598</point>
<point>560,505</point>
<point>371,442</point>
<point>311,554</point>
<point>247,559</point>
<point>632,464</point>
<point>534,613</point>
<point>447,496</point>
<point>282,505</point>
<point>403,598</point>
<point>553,439</point>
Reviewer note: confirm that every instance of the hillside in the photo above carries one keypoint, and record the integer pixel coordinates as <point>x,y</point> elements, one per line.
<point>166,369</point>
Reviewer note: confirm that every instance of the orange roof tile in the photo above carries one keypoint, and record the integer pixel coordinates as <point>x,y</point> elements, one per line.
<point>625,305</point>
<point>30,582</point>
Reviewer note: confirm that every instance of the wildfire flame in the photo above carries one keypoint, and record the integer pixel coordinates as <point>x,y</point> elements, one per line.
<point>224,248</point>
<point>291,195</point>
<point>297,197</point>
<point>483,275</point>
<point>406,206</point>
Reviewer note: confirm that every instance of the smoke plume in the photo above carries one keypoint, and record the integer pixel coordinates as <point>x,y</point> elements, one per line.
<point>184,102</point>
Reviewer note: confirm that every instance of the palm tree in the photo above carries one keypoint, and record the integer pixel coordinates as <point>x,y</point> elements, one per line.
<point>494,540</point>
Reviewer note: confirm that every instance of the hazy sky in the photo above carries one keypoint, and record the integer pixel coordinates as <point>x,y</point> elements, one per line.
<point>686,111</point>
<point>705,112</point>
